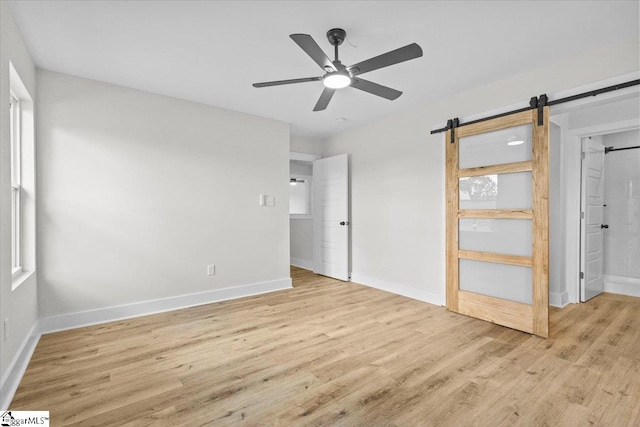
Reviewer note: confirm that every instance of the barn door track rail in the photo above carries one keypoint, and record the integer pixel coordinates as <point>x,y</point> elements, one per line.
<point>536,102</point>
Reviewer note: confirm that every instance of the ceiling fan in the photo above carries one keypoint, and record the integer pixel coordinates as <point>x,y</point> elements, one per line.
<point>338,76</point>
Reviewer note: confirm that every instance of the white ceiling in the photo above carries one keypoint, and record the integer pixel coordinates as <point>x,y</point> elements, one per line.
<point>211,51</point>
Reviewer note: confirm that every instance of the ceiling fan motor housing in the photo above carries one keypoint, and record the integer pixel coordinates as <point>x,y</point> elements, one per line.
<point>336,36</point>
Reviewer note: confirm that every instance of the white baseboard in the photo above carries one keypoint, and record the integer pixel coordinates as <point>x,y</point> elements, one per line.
<point>621,285</point>
<point>404,290</point>
<point>144,308</point>
<point>302,263</point>
<point>17,367</point>
<point>558,299</point>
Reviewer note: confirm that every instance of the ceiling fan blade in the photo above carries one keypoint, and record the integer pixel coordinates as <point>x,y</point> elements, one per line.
<point>325,97</point>
<point>375,89</point>
<point>406,53</point>
<point>287,82</point>
<point>306,42</point>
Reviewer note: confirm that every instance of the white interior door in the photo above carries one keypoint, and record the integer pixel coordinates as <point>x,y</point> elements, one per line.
<point>592,215</point>
<point>331,216</point>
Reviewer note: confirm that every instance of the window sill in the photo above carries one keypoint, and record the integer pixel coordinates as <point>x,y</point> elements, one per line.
<point>300,216</point>
<point>19,278</point>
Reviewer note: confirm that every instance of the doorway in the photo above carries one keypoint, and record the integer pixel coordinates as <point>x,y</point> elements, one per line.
<point>319,220</point>
<point>569,267</point>
<point>301,209</point>
<point>610,214</point>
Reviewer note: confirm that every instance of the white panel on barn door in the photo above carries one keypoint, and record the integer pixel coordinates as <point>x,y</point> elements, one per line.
<point>501,146</point>
<point>500,236</point>
<point>502,281</point>
<point>331,216</point>
<point>591,284</point>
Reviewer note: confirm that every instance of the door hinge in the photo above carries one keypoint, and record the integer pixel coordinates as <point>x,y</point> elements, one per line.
<point>581,275</point>
<point>583,155</point>
<point>581,215</point>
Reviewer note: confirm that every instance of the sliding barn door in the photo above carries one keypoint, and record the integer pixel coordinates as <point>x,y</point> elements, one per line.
<point>497,221</point>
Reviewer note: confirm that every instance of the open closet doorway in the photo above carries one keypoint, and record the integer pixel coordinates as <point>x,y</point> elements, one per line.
<point>301,225</point>
<point>610,226</point>
<point>595,216</point>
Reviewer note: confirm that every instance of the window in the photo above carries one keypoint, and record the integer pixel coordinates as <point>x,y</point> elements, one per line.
<point>16,187</point>
<point>21,166</point>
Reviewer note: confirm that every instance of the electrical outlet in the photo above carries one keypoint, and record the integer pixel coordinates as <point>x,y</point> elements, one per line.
<point>384,262</point>
<point>211,270</point>
<point>5,328</point>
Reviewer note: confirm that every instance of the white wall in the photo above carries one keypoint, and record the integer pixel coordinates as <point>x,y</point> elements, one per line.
<point>18,307</point>
<point>301,144</point>
<point>397,170</point>
<point>302,242</point>
<point>557,242</point>
<point>140,192</point>
<point>622,213</point>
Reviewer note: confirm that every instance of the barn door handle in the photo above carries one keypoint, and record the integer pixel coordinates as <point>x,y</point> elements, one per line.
<point>604,226</point>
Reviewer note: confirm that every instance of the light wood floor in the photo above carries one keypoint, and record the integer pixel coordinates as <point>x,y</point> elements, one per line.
<point>334,353</point>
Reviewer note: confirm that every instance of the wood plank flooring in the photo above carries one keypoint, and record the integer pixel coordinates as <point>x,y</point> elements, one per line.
<point>335,353</point>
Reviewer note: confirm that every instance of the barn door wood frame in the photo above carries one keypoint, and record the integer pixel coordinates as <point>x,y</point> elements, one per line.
<point>534,317</point>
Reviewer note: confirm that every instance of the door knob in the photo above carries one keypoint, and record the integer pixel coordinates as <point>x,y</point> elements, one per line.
<point>344,222</point>
<point>604,226</point>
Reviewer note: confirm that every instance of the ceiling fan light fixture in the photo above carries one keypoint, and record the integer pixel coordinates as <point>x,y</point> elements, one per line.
<point>336,80</point>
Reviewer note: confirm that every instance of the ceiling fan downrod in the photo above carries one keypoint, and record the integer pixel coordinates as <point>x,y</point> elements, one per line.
<point>336,36</point>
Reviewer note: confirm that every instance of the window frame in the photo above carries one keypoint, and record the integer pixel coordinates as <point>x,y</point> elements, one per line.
<point>16,184</point>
